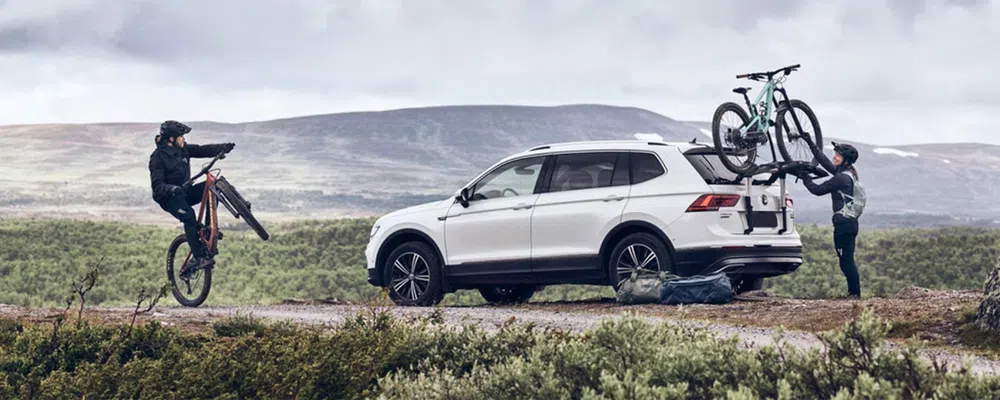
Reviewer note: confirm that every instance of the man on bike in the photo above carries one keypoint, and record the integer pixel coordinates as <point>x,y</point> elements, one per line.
<point>169,168</point>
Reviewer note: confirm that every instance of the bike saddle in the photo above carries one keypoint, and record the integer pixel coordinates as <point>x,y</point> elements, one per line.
<point>742,90</point>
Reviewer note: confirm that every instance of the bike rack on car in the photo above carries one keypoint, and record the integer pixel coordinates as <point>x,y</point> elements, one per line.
<point>778,170</point>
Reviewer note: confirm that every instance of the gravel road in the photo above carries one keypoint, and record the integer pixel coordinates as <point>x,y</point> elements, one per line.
<point>491,318</point>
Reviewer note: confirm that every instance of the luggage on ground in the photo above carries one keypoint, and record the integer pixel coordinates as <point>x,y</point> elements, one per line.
<point>710,289</point>
<point>641,288</point>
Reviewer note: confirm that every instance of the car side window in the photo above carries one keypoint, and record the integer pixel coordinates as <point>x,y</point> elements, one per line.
<point>583,171</point>
<point>621,176</point>
<point>516,178</point>
<point>645,166</point>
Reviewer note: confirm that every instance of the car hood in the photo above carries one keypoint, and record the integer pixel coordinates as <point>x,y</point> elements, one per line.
<point>434,205</point>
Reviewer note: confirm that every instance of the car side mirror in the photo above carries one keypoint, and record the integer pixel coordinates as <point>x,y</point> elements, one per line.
<point>463,198</point>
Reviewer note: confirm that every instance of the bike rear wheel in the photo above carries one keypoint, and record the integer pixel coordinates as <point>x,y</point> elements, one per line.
<point>241,207</point>
<point>790,137</point>
<point>183,288</point>
<point>728,119</point>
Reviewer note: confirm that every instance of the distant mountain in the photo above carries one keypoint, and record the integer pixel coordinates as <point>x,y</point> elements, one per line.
<point>372,162</point>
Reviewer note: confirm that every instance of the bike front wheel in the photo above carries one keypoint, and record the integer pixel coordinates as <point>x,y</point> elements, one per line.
<point>736,153</point>
<point>791,132</point>
<point>191,290</point>
<point>241,207</point>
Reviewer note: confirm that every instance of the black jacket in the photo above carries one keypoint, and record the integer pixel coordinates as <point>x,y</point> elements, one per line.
<point>838,183</point>
<point>169,165</point>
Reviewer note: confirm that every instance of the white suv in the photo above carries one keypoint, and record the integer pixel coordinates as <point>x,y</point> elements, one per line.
<point>586,213</point>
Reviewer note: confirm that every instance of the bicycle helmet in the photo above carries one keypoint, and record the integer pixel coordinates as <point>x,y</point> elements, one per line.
<point>847,151</point>
<point>171,128</point>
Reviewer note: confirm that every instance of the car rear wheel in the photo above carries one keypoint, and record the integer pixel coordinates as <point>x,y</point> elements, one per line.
<point>747,284</point>
<point>641,252</point>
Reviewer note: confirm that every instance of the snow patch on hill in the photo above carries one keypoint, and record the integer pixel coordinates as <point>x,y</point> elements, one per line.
<point>885,150</point>
<point>649,136</point>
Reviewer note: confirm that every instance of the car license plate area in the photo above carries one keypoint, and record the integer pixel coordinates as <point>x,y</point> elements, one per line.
<point>764,219</point>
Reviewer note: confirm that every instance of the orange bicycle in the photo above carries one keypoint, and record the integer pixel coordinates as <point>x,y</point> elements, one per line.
<point>217,190</point>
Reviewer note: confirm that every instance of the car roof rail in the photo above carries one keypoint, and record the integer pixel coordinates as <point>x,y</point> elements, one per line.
<point>539,148</point>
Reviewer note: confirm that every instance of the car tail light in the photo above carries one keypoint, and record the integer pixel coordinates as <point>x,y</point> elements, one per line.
<point>712,202</point>
<point>788,202</point>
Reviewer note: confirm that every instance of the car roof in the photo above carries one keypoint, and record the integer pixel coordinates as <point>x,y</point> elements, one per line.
<point>632,144</point>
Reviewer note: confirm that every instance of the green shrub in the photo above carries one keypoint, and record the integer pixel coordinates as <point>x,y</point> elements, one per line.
<point>375,355</point>
<point>325,259</point>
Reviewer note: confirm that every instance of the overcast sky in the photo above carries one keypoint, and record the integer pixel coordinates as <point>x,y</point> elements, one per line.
<point>879,71</point>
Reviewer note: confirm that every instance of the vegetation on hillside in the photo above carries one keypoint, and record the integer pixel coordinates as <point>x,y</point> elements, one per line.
<point>376,355</point>
<point>324,259</point>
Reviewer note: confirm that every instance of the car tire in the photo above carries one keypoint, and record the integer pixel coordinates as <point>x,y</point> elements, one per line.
<point>642,243</point>
<point>507,294</point>
<point>412,275</point>
<point>747,284</point>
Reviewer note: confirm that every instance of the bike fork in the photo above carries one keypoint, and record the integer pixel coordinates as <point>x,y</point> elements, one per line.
<point>788,106</point>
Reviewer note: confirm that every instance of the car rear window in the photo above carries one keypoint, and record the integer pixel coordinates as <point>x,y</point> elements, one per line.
<point>710,167</point>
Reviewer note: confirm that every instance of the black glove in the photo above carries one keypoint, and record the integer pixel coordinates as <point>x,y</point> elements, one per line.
<point>175,190</point>
<point>227,147</point>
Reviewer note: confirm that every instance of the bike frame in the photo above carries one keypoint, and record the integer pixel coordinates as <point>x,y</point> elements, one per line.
<point>208,212</point>
<point>757,119</point>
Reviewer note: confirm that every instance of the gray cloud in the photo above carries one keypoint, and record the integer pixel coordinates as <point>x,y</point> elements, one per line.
<point>923,62</point>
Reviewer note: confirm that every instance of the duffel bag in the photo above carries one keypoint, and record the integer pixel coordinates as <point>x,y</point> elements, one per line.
<point>641,288</point>
<point>710,289</point>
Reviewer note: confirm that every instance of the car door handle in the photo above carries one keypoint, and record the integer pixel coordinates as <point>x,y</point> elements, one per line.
<point>614,197</point>
<point>522,206</point>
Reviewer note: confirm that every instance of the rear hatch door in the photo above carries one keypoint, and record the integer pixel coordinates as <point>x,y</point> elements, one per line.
<point>764,213</point>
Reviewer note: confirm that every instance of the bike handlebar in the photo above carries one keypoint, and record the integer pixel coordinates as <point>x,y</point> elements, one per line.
<point>204,170</point>
<point>758,75</point>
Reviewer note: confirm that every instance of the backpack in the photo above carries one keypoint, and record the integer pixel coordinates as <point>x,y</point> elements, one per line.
<point>854,205</point>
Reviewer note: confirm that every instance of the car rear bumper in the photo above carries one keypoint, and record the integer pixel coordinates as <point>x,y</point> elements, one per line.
<point>761,261</point>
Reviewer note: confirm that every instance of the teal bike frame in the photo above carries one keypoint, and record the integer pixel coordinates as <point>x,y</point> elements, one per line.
<point>760,110</point>
<point>762,125</point>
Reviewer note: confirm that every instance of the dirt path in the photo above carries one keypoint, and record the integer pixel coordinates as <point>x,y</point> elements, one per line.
<point>931,315</point>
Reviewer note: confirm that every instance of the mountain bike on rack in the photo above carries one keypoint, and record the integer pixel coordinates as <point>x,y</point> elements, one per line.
<point>217,190</point>
<point>742,133</point>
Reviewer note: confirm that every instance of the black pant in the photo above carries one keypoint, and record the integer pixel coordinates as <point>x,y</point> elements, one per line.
<point>180,207</point>
<point>844,235</point>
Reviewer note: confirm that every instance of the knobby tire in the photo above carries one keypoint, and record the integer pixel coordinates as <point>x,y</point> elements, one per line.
<point>718,137</point>
<point>172,259</point>
<point>780,132</point>
<point>240,205</point>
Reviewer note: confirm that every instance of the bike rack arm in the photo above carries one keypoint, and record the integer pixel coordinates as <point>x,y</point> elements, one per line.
<point>779,171</point>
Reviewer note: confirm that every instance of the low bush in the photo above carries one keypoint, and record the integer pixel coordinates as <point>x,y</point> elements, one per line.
<point>376,355</point>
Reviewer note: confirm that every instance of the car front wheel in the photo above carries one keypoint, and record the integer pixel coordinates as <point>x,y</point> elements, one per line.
<point>413,275</point>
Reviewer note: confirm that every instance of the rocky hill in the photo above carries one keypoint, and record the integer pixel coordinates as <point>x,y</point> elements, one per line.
<point>372,162</point>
